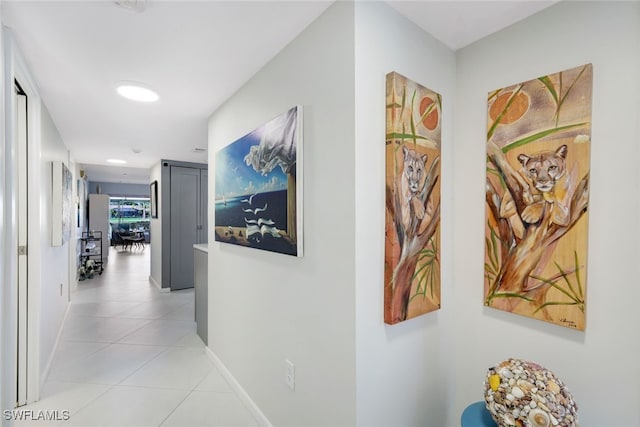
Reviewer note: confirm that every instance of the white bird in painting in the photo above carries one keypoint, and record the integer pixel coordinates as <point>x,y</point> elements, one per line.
<point>259,221</point>
<point>273,231</point>
<point>252,229</point>
<point>249,200</point>
<point>256,210</point>
<point>262,231</point>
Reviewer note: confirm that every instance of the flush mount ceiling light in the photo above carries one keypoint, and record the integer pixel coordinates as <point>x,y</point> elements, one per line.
<point>117,161</point>
<point>136,92</point>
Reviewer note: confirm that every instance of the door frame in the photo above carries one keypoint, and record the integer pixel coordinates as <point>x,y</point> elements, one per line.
<point>5,347</point>
<point>15,69</point>
<point>165,217</point>
<point>178,253</point>
<point>21,114</point>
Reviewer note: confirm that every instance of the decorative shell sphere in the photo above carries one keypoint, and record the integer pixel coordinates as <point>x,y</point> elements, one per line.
<point>524,394</point>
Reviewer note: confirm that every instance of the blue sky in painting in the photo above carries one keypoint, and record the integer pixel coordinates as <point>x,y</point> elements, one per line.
<point>235,178</point>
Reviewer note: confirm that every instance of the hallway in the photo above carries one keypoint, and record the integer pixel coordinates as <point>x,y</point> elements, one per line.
<point>129,356</point>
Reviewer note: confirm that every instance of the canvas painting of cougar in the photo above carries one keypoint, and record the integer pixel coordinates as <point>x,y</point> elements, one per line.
<point>537,197</point>
<point>412,234</point>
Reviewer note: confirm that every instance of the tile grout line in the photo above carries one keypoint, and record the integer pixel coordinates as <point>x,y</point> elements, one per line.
<point>175,408</point>
<point>95,295</point>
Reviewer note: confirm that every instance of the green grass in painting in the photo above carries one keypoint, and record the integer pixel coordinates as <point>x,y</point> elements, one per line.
<point>567,282</point>
<point>492,269</point>
<point>557,96</point>
<point>428,273</point>
<point>539,135</point>
<point>563,282</point>
<point>572,290</point>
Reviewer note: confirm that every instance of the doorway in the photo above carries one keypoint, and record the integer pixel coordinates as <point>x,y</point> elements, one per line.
<point>21,144</point>
<point>188,201</point>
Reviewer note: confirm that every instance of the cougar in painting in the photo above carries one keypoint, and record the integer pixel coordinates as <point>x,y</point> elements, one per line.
<point>543,170</point>
<point>411,183</point>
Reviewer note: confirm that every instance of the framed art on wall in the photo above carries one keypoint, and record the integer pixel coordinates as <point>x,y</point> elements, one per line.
<point>258,187</point>
<point>62,203</point>
<point>537,197</point>
<point>412,225</point>
<point>153,197</point>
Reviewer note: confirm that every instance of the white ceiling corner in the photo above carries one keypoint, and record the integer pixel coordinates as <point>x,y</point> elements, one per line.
<point>458,23</point>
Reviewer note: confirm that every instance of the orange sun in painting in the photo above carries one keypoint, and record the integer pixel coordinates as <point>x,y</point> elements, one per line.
<point>430,121</point>
<point>518,107</point>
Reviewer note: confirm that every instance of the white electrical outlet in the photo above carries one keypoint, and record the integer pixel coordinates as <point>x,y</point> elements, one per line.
<point>289,374</point>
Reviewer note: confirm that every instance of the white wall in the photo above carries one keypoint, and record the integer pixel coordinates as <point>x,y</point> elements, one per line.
<point>54,260</point>
<point>265,307</point>
<point>426,370</point>
<point>599,365</point>
<point>48,267</point>
<point>155,229</point>
<point>7,394</point>
<point>119,189</point>
<point>400,375</point>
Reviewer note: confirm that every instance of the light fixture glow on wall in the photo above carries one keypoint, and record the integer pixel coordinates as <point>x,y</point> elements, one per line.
<point>117,161</point>
<point>136,92</point>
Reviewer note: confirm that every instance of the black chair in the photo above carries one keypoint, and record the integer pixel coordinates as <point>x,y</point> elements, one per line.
<point>126,239</point>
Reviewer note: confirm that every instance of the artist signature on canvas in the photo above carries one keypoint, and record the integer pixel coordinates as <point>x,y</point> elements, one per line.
<point>568,322</point>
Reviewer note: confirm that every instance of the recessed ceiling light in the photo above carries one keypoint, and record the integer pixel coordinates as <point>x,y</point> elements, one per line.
<point>136,92</point>
<point>117,161</point>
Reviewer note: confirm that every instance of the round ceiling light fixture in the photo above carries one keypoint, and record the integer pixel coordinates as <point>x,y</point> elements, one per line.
<point>136,92</point>
<point>116,161</point>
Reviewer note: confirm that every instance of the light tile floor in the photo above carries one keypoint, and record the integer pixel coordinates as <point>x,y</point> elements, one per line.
<point>129,356</point>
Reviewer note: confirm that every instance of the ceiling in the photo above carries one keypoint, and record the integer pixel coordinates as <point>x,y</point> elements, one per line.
<point>194,54</point>
<point>458,23</point>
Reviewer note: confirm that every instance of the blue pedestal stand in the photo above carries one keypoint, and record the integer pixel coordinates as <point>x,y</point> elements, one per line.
<point>476,415</point>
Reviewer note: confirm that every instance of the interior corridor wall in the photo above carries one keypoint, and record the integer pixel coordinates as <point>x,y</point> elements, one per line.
<point>155,228</point>
<point>402,369</point>
<point>54,280</point>
<point>119,189</point>
<point>265,307</point>
<point>600,365</point>
<point>7,393</point>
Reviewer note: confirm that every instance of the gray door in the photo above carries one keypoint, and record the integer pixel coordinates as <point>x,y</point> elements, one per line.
<point>185,212</point>
<point>204,189</point>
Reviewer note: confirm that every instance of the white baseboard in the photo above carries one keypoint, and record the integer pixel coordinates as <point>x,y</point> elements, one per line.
<point>160,288</point>
<point>47,366</point>
<point>235,385</point>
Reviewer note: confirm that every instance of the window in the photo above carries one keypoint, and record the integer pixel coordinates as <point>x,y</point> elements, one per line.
<point>129,213</point>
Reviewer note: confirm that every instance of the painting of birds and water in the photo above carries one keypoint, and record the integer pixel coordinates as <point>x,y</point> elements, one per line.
<point>258,200</point>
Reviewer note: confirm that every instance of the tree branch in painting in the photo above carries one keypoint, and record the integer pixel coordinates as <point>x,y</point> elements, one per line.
<point>412,277</point>
<point>537,191</point>
<point>414,235</point>
<point>524,241</point>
